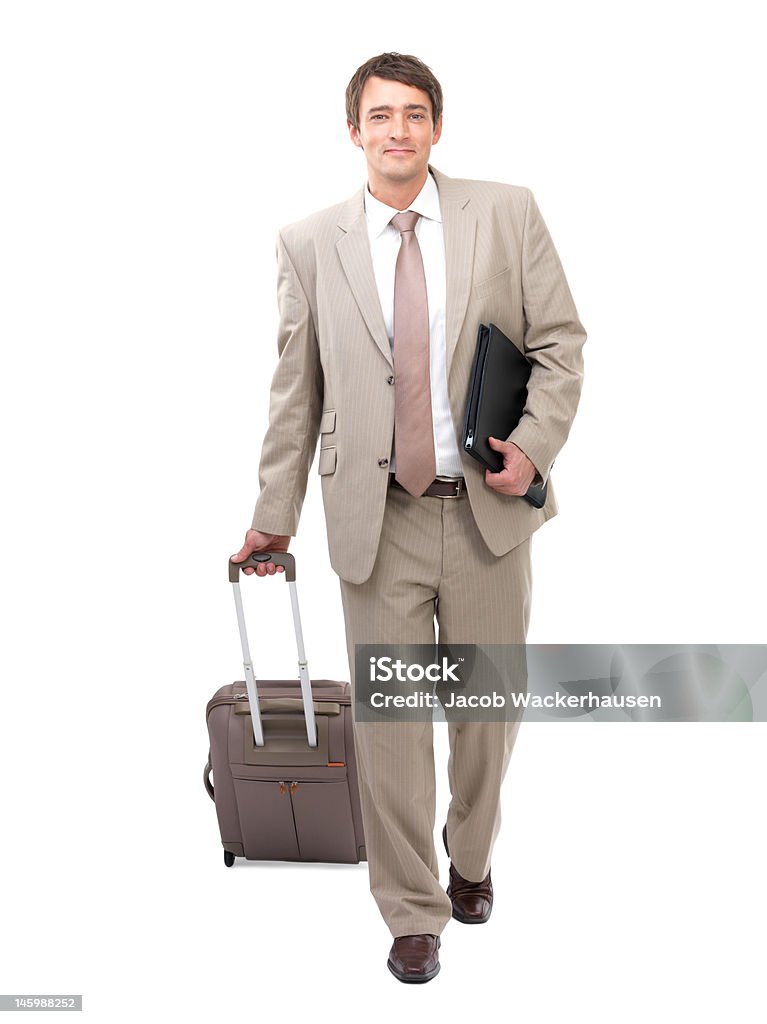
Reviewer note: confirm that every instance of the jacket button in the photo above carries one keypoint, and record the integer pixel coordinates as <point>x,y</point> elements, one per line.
<point>383,462</point>
<point>390,380</point>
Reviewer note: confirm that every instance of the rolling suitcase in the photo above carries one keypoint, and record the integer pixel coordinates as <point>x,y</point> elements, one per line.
<point>282,757</point>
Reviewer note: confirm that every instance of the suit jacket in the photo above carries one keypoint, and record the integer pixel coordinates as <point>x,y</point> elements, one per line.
<point>334,378</point>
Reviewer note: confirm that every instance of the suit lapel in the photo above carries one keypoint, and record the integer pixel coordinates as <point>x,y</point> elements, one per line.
<point>354,252</point>
<point>459,224</point>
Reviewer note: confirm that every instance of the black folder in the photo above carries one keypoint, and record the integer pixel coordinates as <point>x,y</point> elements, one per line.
<point>496,400</point>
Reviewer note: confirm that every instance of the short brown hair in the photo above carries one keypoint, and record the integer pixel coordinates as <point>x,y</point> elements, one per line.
<point>397,67</point>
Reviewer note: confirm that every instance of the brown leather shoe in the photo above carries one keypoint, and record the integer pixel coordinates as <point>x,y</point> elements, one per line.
<point>472,901</point>
<point>414,958</point>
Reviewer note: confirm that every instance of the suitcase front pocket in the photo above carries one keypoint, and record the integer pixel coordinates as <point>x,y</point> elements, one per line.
<point>266,820</point>
<point>323,817</point>
<point>296,820</point>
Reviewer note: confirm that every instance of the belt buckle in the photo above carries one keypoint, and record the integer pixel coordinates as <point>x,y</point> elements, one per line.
<point>458,488</point>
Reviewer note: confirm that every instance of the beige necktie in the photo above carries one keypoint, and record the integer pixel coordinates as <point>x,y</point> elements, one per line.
<point>416,464</point>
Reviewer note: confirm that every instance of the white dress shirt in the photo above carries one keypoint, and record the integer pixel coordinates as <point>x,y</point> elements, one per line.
<point>385,241</point>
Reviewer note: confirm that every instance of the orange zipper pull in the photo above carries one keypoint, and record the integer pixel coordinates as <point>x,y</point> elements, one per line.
<point>282,787</point>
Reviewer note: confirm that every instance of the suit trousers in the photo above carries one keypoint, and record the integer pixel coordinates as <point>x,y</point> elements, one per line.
<point>432,563</point>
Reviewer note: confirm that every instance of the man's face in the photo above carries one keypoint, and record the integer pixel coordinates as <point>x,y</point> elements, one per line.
<point>396,131</point>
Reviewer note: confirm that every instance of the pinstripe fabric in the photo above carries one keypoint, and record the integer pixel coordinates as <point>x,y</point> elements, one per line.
<point>334,378</point>
<point>432,558</point>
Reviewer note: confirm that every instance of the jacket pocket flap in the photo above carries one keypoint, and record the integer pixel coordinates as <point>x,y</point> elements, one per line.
<point>328,421</point>
<point>501,280</point>
<point>327,460</point>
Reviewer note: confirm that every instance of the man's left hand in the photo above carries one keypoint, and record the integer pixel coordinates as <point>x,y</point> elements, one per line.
<point>518,471</point>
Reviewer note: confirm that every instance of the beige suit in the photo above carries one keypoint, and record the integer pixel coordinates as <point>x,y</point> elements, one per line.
<point>335,374</point>
<point>403,561</point>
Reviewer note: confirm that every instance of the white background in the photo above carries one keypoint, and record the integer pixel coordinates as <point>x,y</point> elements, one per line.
<point>151,151</point>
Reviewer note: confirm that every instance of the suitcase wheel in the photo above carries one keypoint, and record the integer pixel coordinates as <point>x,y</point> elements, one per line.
<point>228,858</point>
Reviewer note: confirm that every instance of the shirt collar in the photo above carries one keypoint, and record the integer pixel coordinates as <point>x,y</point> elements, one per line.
<point>426,203</point>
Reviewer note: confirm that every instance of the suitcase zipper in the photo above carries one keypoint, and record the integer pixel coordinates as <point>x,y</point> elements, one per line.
<point>296,782</point>
<point>346,701</point>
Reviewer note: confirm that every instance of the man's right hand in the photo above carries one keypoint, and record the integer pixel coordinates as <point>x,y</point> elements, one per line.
<point>257,541</point>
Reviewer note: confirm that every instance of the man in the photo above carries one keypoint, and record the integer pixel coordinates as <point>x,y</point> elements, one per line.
<point>380,299</point>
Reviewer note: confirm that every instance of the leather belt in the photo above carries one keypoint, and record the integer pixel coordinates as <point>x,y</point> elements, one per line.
<point>453,488</point>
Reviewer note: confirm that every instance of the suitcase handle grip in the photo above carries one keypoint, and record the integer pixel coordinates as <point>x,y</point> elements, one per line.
<point>206,780</point>
<point>283,558</point>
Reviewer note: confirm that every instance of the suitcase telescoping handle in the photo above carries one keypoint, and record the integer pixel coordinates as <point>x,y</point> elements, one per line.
<point>289,563</point>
